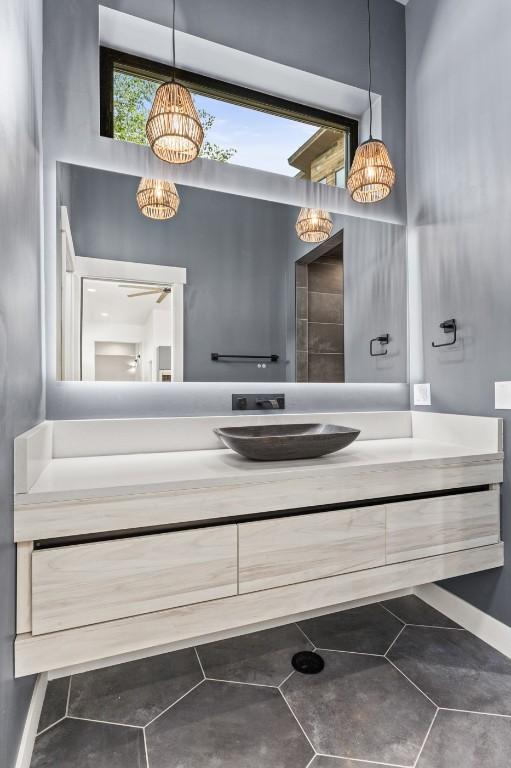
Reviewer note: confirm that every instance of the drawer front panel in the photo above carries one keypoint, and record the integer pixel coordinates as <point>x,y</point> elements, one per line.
<point>274,553</point>
<point>433,526</point>
<point>89,583</point>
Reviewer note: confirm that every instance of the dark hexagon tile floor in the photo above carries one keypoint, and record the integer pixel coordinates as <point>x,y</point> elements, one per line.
<point>455,668</point>
<point>260,657</point>
<point>411,610</point>
<point>82,744</point>
<point>467,740</point>
<point>136,692</point>
<point>367,629</point>
<point>321,761</point>
<point>55,703</point>
<point>361,707</point>
<point>228,725</point>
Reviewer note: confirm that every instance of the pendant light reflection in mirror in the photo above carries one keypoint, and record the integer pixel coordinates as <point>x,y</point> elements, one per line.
<point>157,199</point>
<point>313,225</point>
<point>372,174</point>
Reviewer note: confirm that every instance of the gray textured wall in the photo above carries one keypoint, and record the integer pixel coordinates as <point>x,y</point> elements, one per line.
<point>240,253</point>
<point>375,297</point>
<point>235,252</point>
<point>459,201</point>
<point>20,335</point>
<point>328,38</point>
<point>375,286</point>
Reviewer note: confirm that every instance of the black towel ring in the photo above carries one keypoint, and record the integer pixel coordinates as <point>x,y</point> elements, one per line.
<point>384,340</point>
<point>448,326</point>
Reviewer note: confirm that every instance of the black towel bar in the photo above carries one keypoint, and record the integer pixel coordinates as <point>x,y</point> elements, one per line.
<point>273,358</point>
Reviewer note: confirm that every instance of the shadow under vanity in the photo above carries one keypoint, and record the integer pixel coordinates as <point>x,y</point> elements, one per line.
<point>149,534</point>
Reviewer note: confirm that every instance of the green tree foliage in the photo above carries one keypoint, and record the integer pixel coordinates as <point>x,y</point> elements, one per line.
<point>133,97</point>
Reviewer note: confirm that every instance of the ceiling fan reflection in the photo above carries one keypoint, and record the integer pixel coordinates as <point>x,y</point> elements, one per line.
<point>154,289</point>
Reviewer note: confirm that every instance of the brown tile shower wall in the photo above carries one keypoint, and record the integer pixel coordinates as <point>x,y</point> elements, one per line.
<point>302,313</point>
<point>320,320</point>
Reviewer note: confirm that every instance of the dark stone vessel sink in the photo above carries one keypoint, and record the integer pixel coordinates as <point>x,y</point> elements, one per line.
<point>282,442</point>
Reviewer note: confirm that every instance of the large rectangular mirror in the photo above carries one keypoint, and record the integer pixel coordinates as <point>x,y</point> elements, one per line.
<point>222,291</point>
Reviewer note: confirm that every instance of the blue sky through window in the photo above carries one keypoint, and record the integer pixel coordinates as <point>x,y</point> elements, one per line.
<point>261,140</point>
<point>242,135</point>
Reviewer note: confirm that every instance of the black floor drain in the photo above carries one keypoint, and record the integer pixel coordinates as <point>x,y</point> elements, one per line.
<point>307,662</point>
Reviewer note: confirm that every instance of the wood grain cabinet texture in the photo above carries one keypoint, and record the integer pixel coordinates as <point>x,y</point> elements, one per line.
<point>85,584</point>
<point>131,593</point>
<point>288,550</point>
<point>435,526</point>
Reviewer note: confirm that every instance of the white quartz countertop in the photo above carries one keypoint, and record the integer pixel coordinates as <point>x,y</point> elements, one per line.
<point>67,479</point>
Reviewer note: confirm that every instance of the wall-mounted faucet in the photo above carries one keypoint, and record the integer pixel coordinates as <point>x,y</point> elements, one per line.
<point>258,402</point>
<point>268,402</point>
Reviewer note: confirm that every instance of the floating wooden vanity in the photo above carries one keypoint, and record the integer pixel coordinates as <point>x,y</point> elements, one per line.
<point>136,534</point>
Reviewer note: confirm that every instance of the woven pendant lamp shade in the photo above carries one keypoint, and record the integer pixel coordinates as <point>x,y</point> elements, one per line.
<point>173,128</point>
<point>157,199</point>
<point>313,225</point>
<point>372,175</point>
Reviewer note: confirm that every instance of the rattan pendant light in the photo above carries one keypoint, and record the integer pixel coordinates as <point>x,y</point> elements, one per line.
<point>372,174</point>
<point>313,225</point>
<point>174,130</point>
<point>157,199</point>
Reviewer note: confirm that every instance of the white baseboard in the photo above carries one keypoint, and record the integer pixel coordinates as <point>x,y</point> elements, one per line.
<point>492,631</point>
<point>145,653</point>
<point>26,746</point>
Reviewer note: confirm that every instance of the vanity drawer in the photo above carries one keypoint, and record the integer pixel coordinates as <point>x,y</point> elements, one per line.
<point>288,550</point>
<point>88,583</point>
<point>445,524</point>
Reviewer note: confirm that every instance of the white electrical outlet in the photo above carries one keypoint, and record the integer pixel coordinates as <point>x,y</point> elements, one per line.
<point>503,395</point>
<point>422,394</point>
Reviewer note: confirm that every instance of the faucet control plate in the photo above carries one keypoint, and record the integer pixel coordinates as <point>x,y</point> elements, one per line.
<point>264,402</point>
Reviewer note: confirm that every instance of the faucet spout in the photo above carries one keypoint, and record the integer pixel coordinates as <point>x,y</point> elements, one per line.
<point>269,403</point>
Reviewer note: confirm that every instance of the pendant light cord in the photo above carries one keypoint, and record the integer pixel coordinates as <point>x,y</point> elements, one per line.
<point>370,71</point>
<point>173,40</point>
